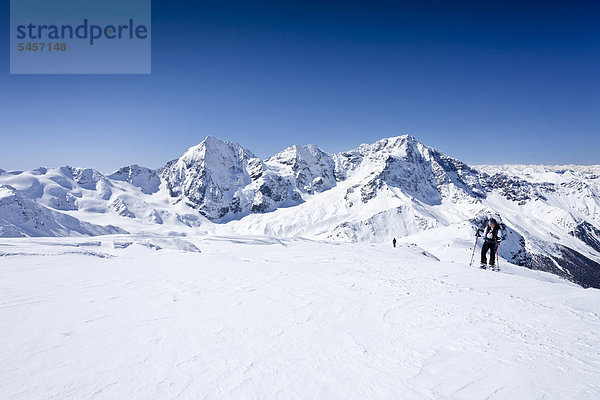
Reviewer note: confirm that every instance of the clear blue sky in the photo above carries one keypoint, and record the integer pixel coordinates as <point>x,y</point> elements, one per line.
<point>486,82</point>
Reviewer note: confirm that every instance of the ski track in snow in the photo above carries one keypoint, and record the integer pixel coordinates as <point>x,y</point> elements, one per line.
<point>255,318</point>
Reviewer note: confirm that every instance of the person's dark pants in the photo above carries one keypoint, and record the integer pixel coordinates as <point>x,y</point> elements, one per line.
<point>491,246</point>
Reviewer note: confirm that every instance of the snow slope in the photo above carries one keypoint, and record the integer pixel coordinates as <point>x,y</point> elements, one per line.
<point>164,316</point>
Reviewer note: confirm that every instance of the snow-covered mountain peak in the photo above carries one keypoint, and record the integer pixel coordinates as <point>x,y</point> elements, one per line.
<point>375,155</point>
<point>87,178</point>
<point>212,151</point>
<point>222,179</point>
<point>7,191</point>
<point>145,178</point>
<point>403,163</point>
<point>222,160</point>
<point>296,150</point>
<point>310,168</point>
<point>399,146</point>
<point>211,175</point>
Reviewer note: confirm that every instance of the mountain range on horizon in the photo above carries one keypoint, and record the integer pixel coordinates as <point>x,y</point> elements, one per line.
<point>394,187</point>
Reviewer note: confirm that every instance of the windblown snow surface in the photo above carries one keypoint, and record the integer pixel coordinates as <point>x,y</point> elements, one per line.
<point>198,317</point>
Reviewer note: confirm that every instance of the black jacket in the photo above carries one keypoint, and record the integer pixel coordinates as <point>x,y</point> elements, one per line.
<point>491,235</point>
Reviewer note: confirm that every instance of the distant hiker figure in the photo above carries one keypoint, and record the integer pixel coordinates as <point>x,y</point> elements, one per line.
<point>394,242</point>
<point>490,242</point>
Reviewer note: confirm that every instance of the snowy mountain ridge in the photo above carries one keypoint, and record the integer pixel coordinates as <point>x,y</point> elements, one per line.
<point>395,187</point>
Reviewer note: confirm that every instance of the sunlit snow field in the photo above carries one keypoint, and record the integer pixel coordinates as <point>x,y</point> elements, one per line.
<point>150,316</point>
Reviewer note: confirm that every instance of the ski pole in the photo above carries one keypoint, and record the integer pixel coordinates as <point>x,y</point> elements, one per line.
<point>474,247</point>
<point>497,256</point>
